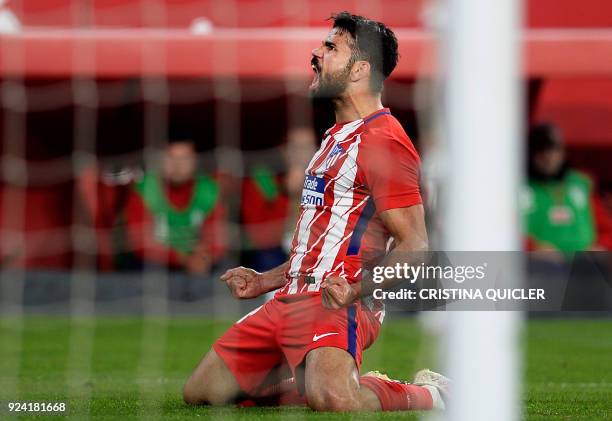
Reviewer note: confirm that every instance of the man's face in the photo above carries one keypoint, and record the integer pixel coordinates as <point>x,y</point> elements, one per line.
<point>550,161</point>
<point>331,63</point>
<point>179,163</point>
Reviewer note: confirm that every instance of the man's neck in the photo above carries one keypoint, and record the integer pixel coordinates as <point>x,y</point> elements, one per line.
<point>356,106</point>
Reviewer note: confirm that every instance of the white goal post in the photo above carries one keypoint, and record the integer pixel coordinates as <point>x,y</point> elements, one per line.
<point>482,100</point>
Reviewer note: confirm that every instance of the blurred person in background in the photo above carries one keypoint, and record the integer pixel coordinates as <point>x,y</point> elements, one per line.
<point>270,201</point>
<point>264,209</point>
<point>562,210</point>
<point>301,146</point>
<point>175,217</point>
<point>104,189</point>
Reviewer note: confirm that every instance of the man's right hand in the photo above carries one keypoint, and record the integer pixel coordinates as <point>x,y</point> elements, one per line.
<point>243,282</point>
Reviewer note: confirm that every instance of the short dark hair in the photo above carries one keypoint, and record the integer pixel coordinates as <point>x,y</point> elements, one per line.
<point>543,136</point>
<point>374,43</point>
<point>180,133</point>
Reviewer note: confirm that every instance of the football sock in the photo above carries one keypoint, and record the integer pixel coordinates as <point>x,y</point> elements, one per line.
<point>396,396</point>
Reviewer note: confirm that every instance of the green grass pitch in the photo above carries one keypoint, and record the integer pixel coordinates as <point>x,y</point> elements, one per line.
<point>125,368</point>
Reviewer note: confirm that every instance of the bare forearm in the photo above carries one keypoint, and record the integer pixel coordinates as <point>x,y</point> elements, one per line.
<point>274,278</point>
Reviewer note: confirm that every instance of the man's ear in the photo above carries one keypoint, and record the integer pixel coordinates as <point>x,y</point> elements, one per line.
<point>361,69</point>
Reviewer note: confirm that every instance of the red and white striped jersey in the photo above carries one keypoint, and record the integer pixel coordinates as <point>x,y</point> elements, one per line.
<point>362,168</point>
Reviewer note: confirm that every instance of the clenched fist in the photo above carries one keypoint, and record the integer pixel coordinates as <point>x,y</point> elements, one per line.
<point>243,282</point>
<point>336,293</point>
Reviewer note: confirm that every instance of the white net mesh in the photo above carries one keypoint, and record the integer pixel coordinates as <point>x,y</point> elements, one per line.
<point>92,95</point>
<point>105,308</point>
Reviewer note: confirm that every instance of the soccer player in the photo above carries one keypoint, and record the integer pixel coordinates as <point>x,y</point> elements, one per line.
<point>361,194</point>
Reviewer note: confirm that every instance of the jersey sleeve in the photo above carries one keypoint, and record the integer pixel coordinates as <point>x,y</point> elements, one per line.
<point>391,170</point>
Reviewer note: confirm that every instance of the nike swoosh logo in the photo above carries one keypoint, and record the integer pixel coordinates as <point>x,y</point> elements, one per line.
<point>317,337</point>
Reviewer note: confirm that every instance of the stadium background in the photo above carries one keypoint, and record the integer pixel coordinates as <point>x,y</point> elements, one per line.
<point>97,81</point>
<point>91,88</point>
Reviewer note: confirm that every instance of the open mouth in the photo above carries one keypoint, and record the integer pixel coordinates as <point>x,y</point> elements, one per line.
<point>316,72</point>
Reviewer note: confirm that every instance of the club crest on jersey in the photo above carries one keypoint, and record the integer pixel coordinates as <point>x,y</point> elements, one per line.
<point>314,190</point>
<point>333,156</point>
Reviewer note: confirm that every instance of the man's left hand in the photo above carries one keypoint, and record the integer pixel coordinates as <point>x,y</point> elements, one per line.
<point>338,293</point>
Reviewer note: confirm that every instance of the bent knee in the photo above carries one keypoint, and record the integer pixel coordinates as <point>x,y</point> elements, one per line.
<point>330,400</point>
<point>194,392</point>
<point>191,396</point>
<point>210,384</point>
<point>204,392</point>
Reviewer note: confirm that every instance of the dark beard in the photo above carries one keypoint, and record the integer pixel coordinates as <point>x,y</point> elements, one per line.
<point>332,86</point>
<point>329,89</point>
<point>536,175</point>
<point>323,100</point>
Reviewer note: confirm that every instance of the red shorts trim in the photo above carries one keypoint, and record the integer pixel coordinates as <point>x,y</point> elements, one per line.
<point>282,332</point>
